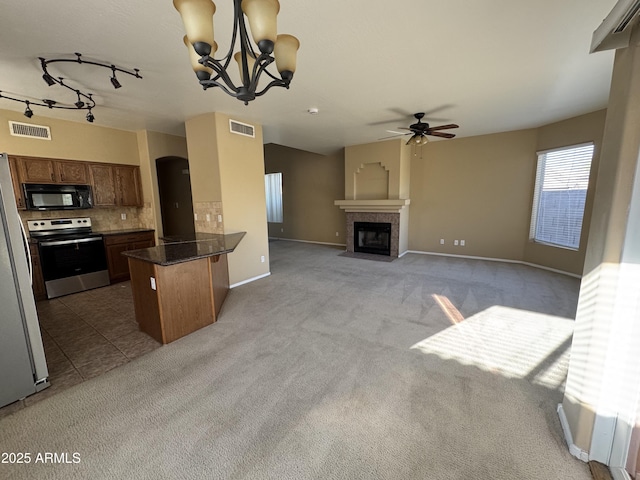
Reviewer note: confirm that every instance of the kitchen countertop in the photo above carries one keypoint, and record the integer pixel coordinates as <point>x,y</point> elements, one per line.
<point>205,245</point>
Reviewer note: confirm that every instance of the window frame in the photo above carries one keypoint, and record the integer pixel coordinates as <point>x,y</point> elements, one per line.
<point>541,164</point>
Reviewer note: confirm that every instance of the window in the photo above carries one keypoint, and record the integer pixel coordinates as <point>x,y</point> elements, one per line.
<point>273,190</point>
<point>562,179</point>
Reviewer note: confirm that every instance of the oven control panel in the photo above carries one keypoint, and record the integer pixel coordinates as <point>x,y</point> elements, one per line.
<point>58,224</point>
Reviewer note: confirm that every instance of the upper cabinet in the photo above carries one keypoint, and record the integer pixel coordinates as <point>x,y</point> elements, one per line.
<point>112,184</point>
<point>72,172</point>
<point>36,170</point>
<point>103,181</point>
<point>47,170</point>
<point>129,192</point>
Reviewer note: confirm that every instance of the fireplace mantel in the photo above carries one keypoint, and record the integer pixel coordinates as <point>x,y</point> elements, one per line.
<point>373,206</point>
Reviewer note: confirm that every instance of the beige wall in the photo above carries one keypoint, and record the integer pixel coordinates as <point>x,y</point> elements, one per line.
<point>311,183</point>
<point>582,129</point>
<point>70,140</point>
<point>476,189</point>
<point>372,182</point>
<point>229,168</point>
<point>389,154</point>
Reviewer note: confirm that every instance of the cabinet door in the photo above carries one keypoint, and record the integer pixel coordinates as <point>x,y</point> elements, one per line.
<point>36,170</point>
<point>129,193</point>
<point>103,183</point>
<point>118,263</point>
<point>71,172</point>
<point>17,185</point>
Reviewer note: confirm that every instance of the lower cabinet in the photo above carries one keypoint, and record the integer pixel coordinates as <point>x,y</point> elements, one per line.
<point>116,244</point>
<point>37,280</point>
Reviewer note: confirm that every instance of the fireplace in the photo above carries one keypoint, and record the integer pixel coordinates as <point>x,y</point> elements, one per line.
<point>372,237</point>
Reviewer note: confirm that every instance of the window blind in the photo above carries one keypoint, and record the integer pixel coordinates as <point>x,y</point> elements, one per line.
<point>273,191</point>
<point>560,194</point>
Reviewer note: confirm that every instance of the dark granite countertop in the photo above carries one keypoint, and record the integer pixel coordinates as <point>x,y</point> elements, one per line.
<point>124,231</point>
<point>185,251</point>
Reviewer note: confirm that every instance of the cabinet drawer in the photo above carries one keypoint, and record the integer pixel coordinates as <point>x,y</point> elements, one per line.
<point>128,238</point>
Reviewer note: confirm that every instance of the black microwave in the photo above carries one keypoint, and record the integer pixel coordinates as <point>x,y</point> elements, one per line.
<point>57,197</point>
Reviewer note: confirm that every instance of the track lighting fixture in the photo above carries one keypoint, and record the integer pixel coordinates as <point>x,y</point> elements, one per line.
<point>253,58</point>
<point>27,111</point>
<point>48,79</point>
<point>85,100</point>
<point>114,80</point>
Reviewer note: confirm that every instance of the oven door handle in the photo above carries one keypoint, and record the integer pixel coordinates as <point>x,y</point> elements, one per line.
<point>70,242</point>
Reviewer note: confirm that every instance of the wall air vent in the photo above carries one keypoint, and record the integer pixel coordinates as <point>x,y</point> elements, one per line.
<point>18,129</point>
<point>240,128</point>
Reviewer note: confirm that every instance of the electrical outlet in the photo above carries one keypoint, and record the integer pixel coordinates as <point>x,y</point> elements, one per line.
<point>219,218</point>
<point>442,241</point>
<point>262,259</point>
<point>208,217</point>
<point>123,216</point>
<point>153,283</point>
<point>455,242</point>
<point>281,230</point>
<point>462,243</point>
<point>195,217</point>
<point>337,234</point>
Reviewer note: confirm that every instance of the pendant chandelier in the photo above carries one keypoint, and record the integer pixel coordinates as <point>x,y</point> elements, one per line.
<point>197,16</point>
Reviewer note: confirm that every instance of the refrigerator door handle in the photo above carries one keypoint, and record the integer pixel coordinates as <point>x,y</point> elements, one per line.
<point>28,250</point>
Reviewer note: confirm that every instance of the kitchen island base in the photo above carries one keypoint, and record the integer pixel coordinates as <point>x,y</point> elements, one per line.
<point>172,301</point>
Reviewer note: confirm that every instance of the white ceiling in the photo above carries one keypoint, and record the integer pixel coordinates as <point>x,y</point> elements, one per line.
<point>488,65</point>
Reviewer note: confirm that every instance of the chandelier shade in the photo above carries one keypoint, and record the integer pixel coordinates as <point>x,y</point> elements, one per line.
<point>197,16</point>
<point>285,51</point>
<point>253,59</point>
<point>263,21</point>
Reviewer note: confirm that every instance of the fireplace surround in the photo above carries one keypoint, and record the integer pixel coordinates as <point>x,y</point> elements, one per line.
<point>372,237</point>
<point>392,219</point>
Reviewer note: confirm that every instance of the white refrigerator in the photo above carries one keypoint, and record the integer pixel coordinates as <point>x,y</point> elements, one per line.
<point>23,367</point>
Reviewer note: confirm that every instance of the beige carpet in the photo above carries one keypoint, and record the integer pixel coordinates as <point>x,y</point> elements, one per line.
<point>333,368</point>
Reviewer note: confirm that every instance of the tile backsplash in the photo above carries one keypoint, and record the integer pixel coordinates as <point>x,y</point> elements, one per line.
<point>102,219</point>
<point>213,209</point>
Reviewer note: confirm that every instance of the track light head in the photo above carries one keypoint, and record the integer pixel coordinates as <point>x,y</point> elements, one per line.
<point>28,112</point>
<point>90,117</point>
<point>48,79</point>
<point>114,80</point>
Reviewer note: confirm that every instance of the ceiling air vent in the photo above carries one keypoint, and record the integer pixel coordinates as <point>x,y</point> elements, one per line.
<point>18,129</point>
<point>242,128</point>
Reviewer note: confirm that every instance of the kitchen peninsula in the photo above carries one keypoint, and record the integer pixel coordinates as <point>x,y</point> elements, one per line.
<point>180,286</point>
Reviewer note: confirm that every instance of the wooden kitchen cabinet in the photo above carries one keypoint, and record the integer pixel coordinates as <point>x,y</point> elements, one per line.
<point>48,170</point>
<point>103,182</point>
<point>128,188</point>
<point>37,282</point>
<point>36,170</point>
<point>118,243</point>
<point>71,172</point>
<point>17,187</point>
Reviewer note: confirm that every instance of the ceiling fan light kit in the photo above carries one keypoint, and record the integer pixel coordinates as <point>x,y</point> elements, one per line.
<point>197,16</point>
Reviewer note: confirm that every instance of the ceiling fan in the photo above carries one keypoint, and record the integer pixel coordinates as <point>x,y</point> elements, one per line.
<point>420,130</point>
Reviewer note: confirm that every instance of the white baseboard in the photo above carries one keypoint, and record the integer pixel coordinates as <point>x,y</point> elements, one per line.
<point>619,473</point>
<point>308,241</point>
<point>250,280</point>
<point>403,254</point>
<point>491,259</point>
<point>573,448</point>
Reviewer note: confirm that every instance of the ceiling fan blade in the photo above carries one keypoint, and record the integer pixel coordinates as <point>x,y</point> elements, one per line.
<point>405,128</point>
<point>398,133</point>
<point>441,134</point>
<point>445,127</point>
<point>395,136</point>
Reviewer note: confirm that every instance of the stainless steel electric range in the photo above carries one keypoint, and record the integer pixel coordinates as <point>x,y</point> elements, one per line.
<point>72,257</point>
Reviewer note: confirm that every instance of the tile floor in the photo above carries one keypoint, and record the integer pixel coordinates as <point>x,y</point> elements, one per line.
<point>85,335</point>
